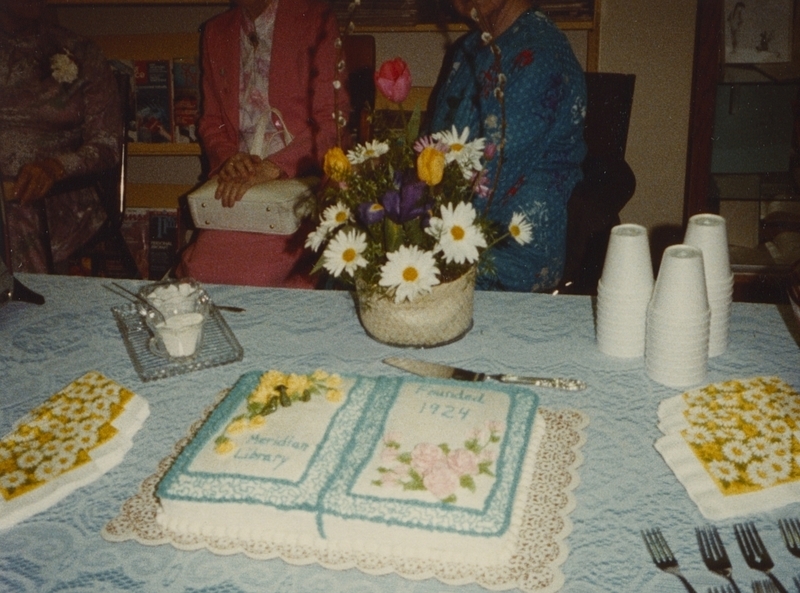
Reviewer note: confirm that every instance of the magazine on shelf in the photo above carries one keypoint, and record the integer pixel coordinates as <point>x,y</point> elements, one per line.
<point>153,84</point>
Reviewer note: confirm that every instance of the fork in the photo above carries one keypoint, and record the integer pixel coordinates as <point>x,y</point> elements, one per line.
<point>725,589</point>
<point>754,551</point>
<point>764,587</point>
<point>790,530</point>
<point>662,556</point>
<point>714,555</point>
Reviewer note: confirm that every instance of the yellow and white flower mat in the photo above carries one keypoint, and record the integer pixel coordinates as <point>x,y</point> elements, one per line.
<point>734,445</point>
<point>70,440</point>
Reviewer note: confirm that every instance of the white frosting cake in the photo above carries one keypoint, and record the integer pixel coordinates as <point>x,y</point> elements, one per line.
<point>414,467</point>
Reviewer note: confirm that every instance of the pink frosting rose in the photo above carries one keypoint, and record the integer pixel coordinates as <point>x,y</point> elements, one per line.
<point>441,481</point>
<point>393,80</point>
<point>425,456</point>
<point>463,462</point>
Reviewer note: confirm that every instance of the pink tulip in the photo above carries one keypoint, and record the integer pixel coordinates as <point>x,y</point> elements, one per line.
<point>393,80</point>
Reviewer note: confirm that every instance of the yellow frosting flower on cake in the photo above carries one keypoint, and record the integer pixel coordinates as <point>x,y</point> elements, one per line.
<point>238,425</point>
<point>224,446</point>
<point>297,384</point>
<point>257,421</point>
<point>334,395</point>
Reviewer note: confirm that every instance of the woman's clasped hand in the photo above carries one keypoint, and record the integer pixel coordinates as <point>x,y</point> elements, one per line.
<point>241,172</point>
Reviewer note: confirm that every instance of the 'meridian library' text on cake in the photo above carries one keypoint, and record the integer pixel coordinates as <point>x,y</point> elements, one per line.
<point>414,467</point>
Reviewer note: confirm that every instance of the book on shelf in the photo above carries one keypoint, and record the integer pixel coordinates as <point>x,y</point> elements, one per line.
<point>153,88</point>
<point>163,242</point>
<point>135,230</point>
<point>185,98</point>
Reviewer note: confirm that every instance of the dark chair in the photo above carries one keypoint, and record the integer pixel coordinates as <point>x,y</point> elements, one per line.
<point>608,181</point>
<point>110,186</point>
<point>359,55</point>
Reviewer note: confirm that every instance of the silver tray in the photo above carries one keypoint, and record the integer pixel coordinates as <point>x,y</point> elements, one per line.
<point>219,345</point>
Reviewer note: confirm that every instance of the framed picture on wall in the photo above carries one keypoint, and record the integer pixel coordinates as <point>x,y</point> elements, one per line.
<point>758,31</point>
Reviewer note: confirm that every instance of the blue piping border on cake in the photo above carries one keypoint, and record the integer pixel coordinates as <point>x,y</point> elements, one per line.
<point>489,521</point>
<point>367,408</point>
<point>273,492</point>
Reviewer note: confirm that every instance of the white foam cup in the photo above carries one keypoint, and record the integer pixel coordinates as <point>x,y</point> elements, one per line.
<point>627,266</point>
<point>680,288</point>
<point>709,233</point>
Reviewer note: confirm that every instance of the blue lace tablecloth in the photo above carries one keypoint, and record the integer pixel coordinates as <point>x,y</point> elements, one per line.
<point>625,484</point>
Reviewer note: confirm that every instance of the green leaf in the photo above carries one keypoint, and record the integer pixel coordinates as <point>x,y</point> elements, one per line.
<point>412,131</point>
<point>415,483</point>
<point>483,468</point>
<point>392,234</point>
<point>445,447</point>
<point>468,483</point>
<point>472,445</point>
<point>450,499</point>
<point>404,458</point>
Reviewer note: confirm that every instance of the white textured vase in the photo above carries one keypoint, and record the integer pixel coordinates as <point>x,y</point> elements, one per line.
<point>440,317</point>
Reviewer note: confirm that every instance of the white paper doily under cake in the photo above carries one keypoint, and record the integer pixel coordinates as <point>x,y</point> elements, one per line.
<point>534,568</point>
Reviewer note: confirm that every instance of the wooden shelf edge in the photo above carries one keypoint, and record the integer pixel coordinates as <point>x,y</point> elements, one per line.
<point>166,148</point>
<point>155,195</point>
<point>139,2</point>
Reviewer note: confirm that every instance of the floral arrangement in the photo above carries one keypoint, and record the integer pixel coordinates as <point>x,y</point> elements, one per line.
<point>63,67</point>
<point>397,213</point>
<point>275,390</point>
<point>439,469</point>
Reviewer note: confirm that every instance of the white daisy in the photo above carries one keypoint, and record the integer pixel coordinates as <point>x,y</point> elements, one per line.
<point>29,459</point>
<point>51,448</point>
<point>457,237</point>
<point>724,471</point>
<point>760,447</point>
<point>697,435</point>
<point>86,439</point>
<point>47,470</point>
<point>63,461</point>
<point>699,415</point>
<point>344,253</point>
<point>13,479</point>
<point>101,408</point>
<point>520,228</point>
<point>367,151</point>
<point>410,271</point>
<point>335,215</point>
<point>317,237</point>
<point>762,473</point>
<point>467,154</point>
<point>737,452</point>
<point>779,429</point>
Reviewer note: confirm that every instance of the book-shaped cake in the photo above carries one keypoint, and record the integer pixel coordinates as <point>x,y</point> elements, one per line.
<point>423,468</point>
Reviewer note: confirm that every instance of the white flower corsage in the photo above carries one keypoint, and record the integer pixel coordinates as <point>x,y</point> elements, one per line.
<point>64,68</point>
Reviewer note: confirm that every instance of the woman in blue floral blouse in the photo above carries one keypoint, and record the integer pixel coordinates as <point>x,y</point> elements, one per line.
<point>534,97</point>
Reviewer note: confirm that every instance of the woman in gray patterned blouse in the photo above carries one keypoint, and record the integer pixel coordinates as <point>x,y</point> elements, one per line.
<point>60,118</point>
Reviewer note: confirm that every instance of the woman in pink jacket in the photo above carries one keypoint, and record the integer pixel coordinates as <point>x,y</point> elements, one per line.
<point>269,68</point>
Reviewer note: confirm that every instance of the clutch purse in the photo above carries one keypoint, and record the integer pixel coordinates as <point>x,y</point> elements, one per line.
<point>273,208</point>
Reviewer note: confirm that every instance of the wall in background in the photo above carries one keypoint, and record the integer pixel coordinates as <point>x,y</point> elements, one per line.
<point>653,40</point>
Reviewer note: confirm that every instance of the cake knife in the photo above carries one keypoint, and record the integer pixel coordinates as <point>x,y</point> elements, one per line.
<point>443,371</point>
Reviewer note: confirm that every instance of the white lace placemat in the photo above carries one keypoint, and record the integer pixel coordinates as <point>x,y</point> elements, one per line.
<point>534,568</point>
<point>734,445</point>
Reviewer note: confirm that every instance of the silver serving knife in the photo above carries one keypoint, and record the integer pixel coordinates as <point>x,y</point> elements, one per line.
<point>443,371</point>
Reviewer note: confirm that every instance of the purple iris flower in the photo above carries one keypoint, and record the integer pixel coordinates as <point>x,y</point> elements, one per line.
<point>370,213</point>
<point>406,203</point>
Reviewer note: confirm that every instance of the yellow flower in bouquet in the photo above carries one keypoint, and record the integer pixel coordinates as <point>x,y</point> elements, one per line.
<point>397,212</point>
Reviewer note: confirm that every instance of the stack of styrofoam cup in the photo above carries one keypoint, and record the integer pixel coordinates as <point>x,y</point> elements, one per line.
<point>624,291</point>
<point>708,233</point>
<point>678,317</point>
